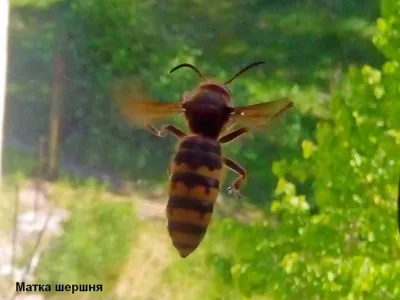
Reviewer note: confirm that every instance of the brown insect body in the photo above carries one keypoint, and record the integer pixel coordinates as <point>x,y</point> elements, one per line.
<point>196,169</point>
<point>195,177</point>
<point>207,112</point>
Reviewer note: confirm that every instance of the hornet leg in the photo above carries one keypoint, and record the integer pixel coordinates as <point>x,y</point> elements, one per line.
<point>232,135</point>
<point>167,128</point>
<point>162,133</point>
<point>237,184</point>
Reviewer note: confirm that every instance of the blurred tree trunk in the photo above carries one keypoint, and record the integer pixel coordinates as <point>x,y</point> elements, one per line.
<point>57,87</point>
<point>4,11</point>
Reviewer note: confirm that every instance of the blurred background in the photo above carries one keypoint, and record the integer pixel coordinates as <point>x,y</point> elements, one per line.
<point>84,192</point>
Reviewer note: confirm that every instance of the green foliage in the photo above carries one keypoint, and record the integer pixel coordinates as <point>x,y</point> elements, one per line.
<point>388,38</point>
<point>23,161</point>
<point>35,3</point>
<point>350,248</point>
<point>113,40</point>
<point>109,52</point>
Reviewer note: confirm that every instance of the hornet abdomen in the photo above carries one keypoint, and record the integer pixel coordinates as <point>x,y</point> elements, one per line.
<point>195,171</point>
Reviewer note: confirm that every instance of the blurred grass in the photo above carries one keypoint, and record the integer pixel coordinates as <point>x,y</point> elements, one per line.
<point>97,239</point>
<point>17,166</point>
<point>106,242</point>
<point>7,196</point>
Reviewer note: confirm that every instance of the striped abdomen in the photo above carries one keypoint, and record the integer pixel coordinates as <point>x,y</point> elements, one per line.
<point>194,184</point>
